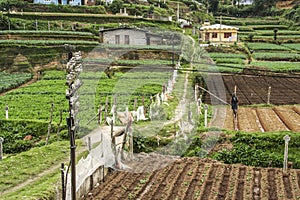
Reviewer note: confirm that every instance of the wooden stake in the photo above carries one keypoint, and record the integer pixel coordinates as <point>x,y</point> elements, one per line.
<point>113,142</point>
<point>89,144</point>
<point>131,145</point>
<point>100,114</point>
<point>102,147</point>
<point>106,108</point>
<point>6,112</point>
<point>175,129</point>
<point>115,100</point>
<point>235,89</point>
<point>1,148</point>
<point>269,95</point>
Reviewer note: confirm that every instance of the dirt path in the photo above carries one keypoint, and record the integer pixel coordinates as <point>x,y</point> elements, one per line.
<point>181,109</point>
<point>264,119</point>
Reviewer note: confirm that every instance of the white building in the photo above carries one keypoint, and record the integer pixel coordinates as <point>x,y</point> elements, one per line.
<point>129,36</point>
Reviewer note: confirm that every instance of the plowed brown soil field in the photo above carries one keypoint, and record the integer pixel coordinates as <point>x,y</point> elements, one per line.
<point>278,118</point>
<point>253,89</point>
<point>202,179</point>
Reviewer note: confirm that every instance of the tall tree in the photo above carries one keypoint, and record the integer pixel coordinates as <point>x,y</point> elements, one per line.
<point>261,6</point>
<point>213,5</point>
<point>116,5</point>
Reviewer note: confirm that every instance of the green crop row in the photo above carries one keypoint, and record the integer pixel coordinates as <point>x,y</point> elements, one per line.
<point>48,42</point>
<point>295,46</point>
<point>277,66</point>
<point>271,56</point>
<point>250,22</point>
<point>261,150</point>
<point>267,46</point>
<point>223,67</point>
<point>33,102</point>
<point>269,27</point>
<point>279,33</point>
<point>229,60</point>
<point>8,81</point>
<point>127,62</point>
<point>227,55</point>
<point>130,47</point>
<point>40,32</point>
<point>14,132</point>
<point>286,37</point>
<point>86,18</point>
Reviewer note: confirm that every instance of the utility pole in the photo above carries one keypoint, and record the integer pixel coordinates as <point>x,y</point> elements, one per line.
<point>74,67</point>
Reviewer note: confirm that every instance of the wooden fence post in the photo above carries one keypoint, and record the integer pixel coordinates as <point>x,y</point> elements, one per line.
<point>286,147</point>
<point>106,108</point>
<point>100,115</point>
<point>6,111</point>
<point>205,115</point>
<point>269,95</point>
<point>113,139</point>
<point>63,187</point>
<point>89,144</point>
<point>196,92</point>
<point>1,148</point>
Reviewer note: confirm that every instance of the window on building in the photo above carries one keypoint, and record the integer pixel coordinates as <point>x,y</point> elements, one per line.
<point>214,35</point>
<point>117,39</point>
<point>206,36</point>
<point>227,35</point>
<point>126,39</point>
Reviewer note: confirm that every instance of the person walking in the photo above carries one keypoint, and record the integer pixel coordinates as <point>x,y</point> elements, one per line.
<point>234,104</point>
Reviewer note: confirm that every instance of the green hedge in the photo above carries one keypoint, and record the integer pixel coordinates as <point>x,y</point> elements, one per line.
<point>87,18</point>
<point>14,132</point>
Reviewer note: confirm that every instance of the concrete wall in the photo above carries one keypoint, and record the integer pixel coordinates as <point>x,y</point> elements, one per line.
<point>155,40</point>
<point>135,37</point>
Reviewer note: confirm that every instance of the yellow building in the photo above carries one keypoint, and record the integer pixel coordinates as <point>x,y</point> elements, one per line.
<point>218,33</point>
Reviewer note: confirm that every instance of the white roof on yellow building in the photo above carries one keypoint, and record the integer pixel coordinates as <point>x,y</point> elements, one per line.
<point>218,27</point>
